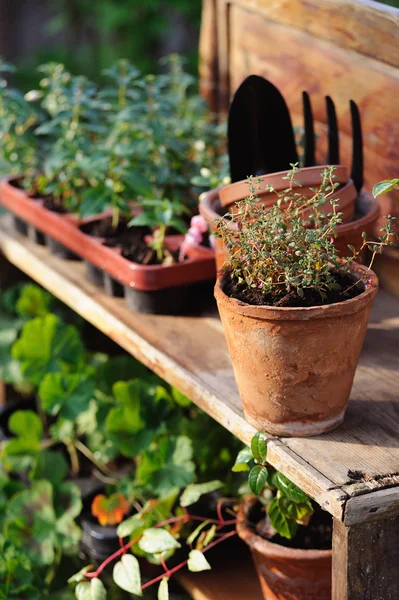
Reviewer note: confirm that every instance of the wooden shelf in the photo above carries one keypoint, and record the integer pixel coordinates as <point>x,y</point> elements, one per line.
<point>233,577</point>
<point>351,472</point>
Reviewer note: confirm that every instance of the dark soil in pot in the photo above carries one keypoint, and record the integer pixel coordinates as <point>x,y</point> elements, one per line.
<point>51,204</point>
<point>349,288</point>
<point>103,228</point>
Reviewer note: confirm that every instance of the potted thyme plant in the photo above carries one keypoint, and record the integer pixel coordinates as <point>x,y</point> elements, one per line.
<point>290,538</point>
<point>294,314</point>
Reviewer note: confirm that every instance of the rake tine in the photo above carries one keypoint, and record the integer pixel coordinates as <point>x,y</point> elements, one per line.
<point>357,147</point>
<point>333,137</point>
<point>309,137</point>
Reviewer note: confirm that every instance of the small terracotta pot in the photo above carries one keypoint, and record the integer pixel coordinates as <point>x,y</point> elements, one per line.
<point>345,194</point>
<point>294,367</point>
<point>347,233</point>
<point>286,573</point>
<point>307,177</point>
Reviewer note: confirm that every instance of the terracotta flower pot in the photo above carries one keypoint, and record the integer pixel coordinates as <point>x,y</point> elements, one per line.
<point>347,233</point>
<point>286,573</point>
<point>307,177</point>
<point>294,367</point>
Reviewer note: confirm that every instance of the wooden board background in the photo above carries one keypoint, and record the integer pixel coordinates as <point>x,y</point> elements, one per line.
<point>348,49</point>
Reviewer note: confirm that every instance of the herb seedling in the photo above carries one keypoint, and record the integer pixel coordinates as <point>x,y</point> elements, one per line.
<point>286,505</point>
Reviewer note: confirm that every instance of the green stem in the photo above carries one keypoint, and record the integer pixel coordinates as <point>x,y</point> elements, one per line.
<point>115,217</point>
<point>89,454</point>
<point>74,458</point>
<point>122,89</point>
<point>161,242</point>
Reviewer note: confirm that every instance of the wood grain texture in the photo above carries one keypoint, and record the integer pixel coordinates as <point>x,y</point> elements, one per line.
<point>345,23</point>
<point>365,561</point>
<point>322,69</point>
<point>347,49</point>
<point>378,505</point>
<point>191,353</point>
<point>208,65</point>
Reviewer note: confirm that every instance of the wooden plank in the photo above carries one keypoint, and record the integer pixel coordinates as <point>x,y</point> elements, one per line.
<point>345,23</point>
<point>191,353</point>
<point>233,577</point>
<point>271,49</point>
<point>208,67</point>
<point>378,505</point>
<point>365,561</point>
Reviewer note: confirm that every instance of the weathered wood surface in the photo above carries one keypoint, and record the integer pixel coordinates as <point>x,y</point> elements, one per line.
<point>233,577</point>
<point>191,353</point>
<point>366,561</point>
<point>379,505</point>
<point>208,67</point>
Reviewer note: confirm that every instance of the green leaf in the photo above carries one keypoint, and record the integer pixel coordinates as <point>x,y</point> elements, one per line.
<point>284,526</point>
<point>197,562</point>
<point>121,368</point>
<point>210,535</point>
<point>47,345</point>
<point>259,447</point>
<point>67,505</point>
<point>80,575</point>
<point>194,491</point>
<point>126,574</point>
<point>243,458</point>
<point>98,591</point>
<point>93,590</point>
<point>66,395</point>
<point>50,465</point>
<point>132,527</point>
<point>180,398</point>
<point>26,423</point>
<point>257,479</point>
<point>30,522</point>
<point>163,590</point>
<point>383,187</point>
<point>33,301</point>
<point>62,430</point>
<point>300,513</point>
<point>155,541</point>
<point>196,532</point>
<point>289,489</point>
<point>125,424</point>
<point>168,466</point>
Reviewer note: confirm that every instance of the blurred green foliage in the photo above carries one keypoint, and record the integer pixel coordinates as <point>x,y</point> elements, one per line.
<point>89,36</point>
